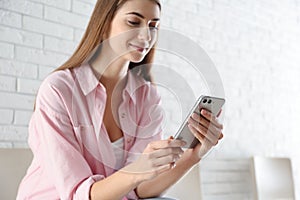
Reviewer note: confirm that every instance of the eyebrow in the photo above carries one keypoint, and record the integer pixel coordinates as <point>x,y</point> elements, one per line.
<point>141,16</point>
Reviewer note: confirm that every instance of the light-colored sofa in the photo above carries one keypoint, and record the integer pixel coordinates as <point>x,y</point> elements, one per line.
<point>13,166</point>
<point>14,163</point>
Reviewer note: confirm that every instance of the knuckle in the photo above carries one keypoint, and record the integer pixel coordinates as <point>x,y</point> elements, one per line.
<point>152,163</point>
<point>150,156</point>
<point>150,145</point>
<point>156,172</point>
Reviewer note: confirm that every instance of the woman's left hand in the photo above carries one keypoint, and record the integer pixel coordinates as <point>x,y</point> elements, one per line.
<point>207,130</point>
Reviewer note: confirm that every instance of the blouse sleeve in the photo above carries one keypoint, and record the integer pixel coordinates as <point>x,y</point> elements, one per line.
<point>55,145</point>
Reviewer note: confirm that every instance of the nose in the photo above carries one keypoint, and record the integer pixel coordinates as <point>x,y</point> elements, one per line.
<point>144,34</point>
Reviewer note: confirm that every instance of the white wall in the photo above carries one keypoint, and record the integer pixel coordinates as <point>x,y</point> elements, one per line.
<point>255,45</point>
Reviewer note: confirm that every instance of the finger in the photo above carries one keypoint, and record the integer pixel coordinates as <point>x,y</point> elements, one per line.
<point>162,169</point>
<point>166,151</point>
<point>210,117</point>
<point>160,144</point>
<point>165,160</point>
<point>219,113</point>
<point>204,122</point>
<point>200,137</point>
<point>206,133</point>
<point>221,136</point>
<point>173,165</point>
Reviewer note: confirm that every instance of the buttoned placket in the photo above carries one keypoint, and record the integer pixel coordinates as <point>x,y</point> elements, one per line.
<point>103,140</point>
<point>123,116</point>
<point>99,107</point>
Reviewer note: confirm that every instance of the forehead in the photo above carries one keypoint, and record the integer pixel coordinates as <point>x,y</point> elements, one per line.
<point>148,8</point>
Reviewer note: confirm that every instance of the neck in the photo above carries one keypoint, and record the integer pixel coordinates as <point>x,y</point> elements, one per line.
<point>109,69</point>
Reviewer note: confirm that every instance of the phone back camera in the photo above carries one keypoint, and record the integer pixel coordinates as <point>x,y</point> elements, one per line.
<point>204,100</point>
<point>209,101</point>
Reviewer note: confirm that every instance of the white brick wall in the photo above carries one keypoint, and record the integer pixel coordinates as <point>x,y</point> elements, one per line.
<point>255,45</point>
<point>36,36</point>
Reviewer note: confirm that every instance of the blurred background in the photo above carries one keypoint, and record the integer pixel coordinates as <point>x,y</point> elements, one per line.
<point>255,46</point>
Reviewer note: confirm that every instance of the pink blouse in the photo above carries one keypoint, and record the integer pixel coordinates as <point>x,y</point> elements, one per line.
<point>71,147</point>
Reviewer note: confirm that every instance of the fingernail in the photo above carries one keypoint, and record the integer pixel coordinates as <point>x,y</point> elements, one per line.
<point>173,165</point>
<point>203,112</point>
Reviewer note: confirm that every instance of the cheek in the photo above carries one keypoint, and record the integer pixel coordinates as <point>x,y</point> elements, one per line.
<point>115,31</point>
<point>153,39</point>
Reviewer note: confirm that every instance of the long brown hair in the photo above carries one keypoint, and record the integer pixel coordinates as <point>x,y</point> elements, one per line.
<point>99,24</point>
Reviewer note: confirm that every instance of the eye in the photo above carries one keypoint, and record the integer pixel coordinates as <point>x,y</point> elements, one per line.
<point>153,25</point>
<point>133,23</point>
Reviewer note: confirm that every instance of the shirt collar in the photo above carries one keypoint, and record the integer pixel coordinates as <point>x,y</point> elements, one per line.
<point>88,81</point>
<point>86,78</point>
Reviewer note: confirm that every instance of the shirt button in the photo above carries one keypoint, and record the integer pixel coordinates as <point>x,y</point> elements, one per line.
<point>128,140</point>
<point>123,115</point>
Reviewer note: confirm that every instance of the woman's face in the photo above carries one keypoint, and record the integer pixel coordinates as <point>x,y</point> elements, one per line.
<point>134,28</point>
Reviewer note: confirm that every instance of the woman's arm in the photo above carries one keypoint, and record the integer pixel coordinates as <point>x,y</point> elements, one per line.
<point>115,186</point>
<point>161,183</point>
<point>208,131</point>
<point>155,160</point>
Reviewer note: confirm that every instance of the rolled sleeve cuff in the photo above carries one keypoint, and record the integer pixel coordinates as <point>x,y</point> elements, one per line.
<point>83,190</point>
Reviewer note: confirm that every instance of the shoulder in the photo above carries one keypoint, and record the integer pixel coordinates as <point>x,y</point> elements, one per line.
<point>55,89</point>
<point>59,79</point>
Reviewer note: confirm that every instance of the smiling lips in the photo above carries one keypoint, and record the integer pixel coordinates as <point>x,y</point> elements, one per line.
<point>138,48</point>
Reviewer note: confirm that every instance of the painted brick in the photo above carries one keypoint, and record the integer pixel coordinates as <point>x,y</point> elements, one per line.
<point>47,28</point>
<point>10,18</point>
<point>84,8</point>
<point>7,116</point>
<point>89,1</point>
<point>6,50</point>
<point>22,117</point>
<point>18,36</point>
<point>28,86</point>
<point>18,69</point>
<point>58,45</point>
<point>20,144</point>
<point>44,71</point>
<point>16,101</point>
<point>13,133</point>
<point>23,6</point>
<point>64,17</point>
<point>78,35</point>
<point>64,4</point>
<point>4,144</point>
<point>7,83</point>
<point>38,56</point>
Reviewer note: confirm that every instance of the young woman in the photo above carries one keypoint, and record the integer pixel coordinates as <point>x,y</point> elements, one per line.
<point>96,129</point>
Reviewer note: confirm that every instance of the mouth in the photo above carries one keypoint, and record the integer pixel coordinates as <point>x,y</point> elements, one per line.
<point>139,48</point>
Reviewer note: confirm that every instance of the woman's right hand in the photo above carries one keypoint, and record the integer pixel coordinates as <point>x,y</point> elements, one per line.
<point>158,157</point>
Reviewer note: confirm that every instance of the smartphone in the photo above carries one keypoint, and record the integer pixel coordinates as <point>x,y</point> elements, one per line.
<point>212,104</point>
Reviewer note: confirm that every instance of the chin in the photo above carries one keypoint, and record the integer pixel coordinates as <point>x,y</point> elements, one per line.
<point>136,58</point>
